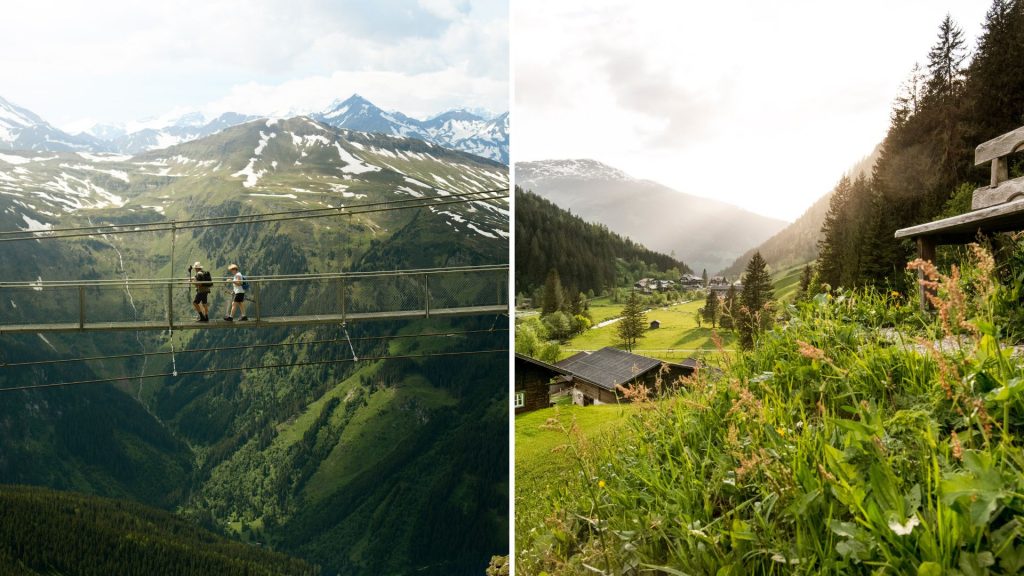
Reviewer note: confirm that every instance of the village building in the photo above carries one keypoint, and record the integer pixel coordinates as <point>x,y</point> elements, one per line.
<point>535,381</point>
<point>649,285</point>
<point>721,290</point>
<point>597,376</point>
<point>691,281</point>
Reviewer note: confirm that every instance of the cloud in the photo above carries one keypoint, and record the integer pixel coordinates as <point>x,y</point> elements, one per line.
<point>682,114</point>
<point>121,60</point>
<point>417,95</point>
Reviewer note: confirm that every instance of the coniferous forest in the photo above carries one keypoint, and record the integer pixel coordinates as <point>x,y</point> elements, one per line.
<point>587,256</point>
<point>946,107</point>
<point>49,532</point>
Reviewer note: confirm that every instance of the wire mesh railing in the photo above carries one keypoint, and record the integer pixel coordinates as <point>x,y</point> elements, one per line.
<point>306,298</point>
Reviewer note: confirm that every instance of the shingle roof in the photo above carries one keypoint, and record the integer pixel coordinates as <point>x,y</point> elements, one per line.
<point>608,367</point>
<point>552,367</point>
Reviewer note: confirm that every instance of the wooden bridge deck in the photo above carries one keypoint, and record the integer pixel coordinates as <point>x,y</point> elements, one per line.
<point>265,322</point>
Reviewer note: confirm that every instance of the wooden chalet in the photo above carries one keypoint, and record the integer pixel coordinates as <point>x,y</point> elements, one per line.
<point>534,382</point>
<point>597,376</point>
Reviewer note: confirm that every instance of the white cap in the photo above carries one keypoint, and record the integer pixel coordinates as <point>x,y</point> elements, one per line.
<point>197,265</point>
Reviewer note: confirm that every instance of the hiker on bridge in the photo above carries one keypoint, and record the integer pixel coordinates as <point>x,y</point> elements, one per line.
<point>203,281</point>
<point>238,287</point>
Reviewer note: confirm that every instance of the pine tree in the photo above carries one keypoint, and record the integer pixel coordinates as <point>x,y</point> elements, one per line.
<point>834,234</point>
<point>944,88</point>
<point>633,322</point>
<point>946,61</point>
<point>704,276</point>
<point>756,310</point>
<point>730,309</point>
<point>804,291</point>
<point>553,293</point>
<point>712,309</point>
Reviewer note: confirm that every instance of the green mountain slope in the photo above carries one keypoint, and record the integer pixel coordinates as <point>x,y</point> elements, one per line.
<point>47,532</point>
<point>252,451</point>
<point>705,233</point>
<point>585,254</point>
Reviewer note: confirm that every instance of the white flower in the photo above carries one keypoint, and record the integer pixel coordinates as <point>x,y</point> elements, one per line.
<point>903,529</point>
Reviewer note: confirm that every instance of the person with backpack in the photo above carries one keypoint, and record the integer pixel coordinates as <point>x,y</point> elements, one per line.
<point>203,281</point>
<point>239,285</point>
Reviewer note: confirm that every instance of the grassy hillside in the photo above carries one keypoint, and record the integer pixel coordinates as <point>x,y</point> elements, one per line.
<point>846,442</point>
<point>543,462</point>
<point>679,336</point>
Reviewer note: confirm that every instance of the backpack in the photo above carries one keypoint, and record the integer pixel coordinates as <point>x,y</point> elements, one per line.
<point>205,279</point>
<point>245,284</point>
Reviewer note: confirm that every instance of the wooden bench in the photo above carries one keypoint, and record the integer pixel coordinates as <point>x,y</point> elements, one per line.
<point>998,207</point>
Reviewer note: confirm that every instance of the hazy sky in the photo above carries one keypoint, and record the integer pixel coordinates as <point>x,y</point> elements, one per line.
<point>761,104</point>
<point>123,60</point>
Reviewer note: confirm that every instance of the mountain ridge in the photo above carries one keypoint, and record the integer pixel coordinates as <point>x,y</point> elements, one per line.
<point>458,129</point>
<point>704,233</point>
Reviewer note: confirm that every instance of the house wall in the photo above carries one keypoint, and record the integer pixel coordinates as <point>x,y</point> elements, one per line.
<point>533,381</point>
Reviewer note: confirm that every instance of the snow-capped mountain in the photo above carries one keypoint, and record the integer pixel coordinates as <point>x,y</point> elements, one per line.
<point>462,130</point>
<point>291,163</point>
<point>21,129</point>
<point>576,169</point>
<point>456,129</point>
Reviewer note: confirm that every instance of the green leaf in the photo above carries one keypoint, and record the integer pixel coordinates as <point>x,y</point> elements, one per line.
<point>976,564</point>
<point>929,569</point>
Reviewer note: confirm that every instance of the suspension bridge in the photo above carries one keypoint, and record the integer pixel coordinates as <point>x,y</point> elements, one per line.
<point>273,301</point>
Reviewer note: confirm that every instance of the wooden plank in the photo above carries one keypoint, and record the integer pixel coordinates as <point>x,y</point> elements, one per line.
<point>964,227</point>
<point>1000,146</point>
<point>999,194</point>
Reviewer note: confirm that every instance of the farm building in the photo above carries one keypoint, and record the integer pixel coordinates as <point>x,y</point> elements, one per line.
<point>722,289</point>
<point>649,285</point>
<point>534,381</point>
<point>691,281</point>
<point>596,376</point>
<point>655,324</point>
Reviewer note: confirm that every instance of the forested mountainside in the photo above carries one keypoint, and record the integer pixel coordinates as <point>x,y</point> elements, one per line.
<point>798,243</point>
<point>704,233</point>
<point>349,464</point>
<point>926,166</point>
<point>50,532</point>
<point>587,256</point>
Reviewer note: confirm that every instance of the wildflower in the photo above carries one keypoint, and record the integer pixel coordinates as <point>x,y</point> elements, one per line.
<point>600,483</point>
<point>904,528</point>
<point>895,294</point>
<point>826,474</point>
<point>958,448</point>
<point>810,351</point>
<point>781,431</point>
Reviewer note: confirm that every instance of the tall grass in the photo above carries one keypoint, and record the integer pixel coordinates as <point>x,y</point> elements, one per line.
<point>858,437</point>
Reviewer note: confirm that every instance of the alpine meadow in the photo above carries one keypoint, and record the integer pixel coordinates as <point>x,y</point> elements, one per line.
<point>844,398</point>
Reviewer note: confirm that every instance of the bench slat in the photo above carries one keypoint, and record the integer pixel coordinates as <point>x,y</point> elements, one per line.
<point>999,146</point>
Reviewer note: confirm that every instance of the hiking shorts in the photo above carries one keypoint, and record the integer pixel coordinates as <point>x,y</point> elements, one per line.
<point>240,297</point>
<point>201,298</point>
